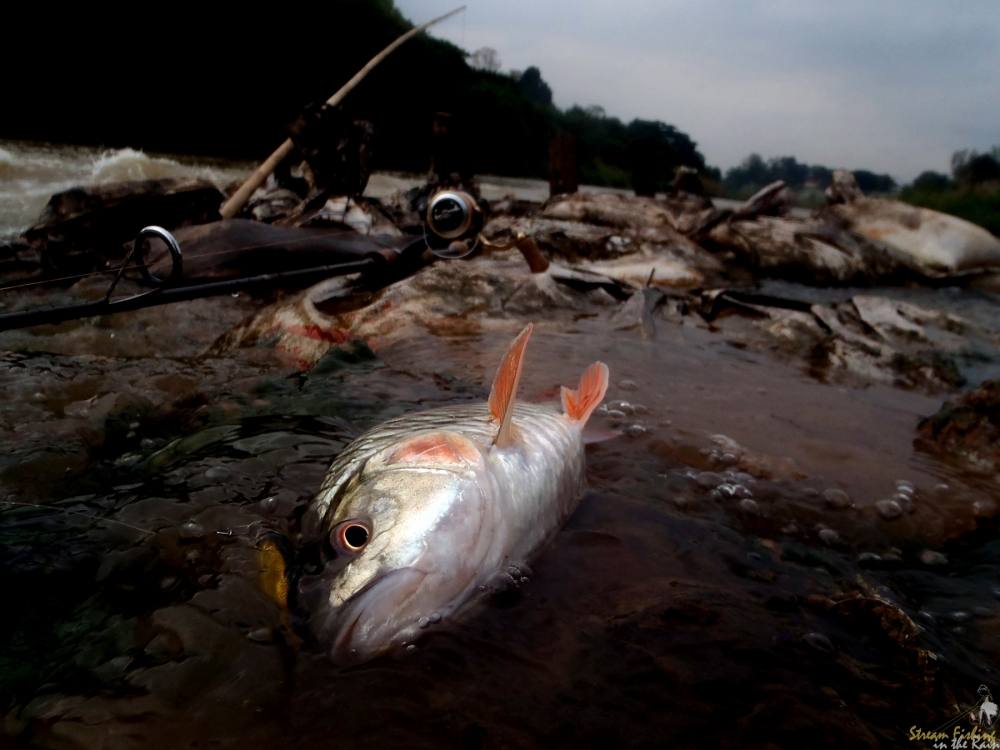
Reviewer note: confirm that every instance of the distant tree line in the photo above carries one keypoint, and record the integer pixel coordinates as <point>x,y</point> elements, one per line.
<point>754,172</point>
<point>971,191</point>
<point>969,170</point>
<point>235,87</point>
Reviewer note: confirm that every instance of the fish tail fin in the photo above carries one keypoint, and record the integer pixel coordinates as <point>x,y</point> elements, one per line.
<point>504,391</point>
<point>580,404</point>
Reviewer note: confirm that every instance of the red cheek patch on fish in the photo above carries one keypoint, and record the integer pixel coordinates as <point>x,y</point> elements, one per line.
<point>436,448</point>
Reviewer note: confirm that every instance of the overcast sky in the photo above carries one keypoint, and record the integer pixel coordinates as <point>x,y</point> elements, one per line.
<point>889,85</point>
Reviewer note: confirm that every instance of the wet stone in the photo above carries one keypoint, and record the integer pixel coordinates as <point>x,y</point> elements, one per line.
<point>191,530</point>
<point>869,558</point>
<point>819,641</point>
<point>983,612</point>
<point>628,385</point>
<point>959,616</point>
<point>218,474</point>
<point>888,509</point>
<point>930,557</point>
<point>113,668</point>
<point>635,430</point>
<point>750,506</point>
<point>261,635</point>
<point>829,536</point>
<point>836,498</point>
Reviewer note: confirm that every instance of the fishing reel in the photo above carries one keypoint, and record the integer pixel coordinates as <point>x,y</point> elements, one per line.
<point>452,224</point>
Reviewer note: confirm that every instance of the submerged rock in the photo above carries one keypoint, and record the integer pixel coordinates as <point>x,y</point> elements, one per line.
<point>967,429</point>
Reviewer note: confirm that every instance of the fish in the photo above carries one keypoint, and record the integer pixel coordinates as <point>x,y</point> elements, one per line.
<point>422,514</point>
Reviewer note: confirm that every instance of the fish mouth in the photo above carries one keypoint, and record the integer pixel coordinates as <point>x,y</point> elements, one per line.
<point>383,615</point>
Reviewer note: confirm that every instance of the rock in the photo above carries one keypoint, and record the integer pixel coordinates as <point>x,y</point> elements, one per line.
<point>967,429</point>
<point>811,251</point>
<point>82,227</point>
<point>932,243</point>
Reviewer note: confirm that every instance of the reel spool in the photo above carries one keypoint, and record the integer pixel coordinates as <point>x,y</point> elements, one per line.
<point>452,224</point>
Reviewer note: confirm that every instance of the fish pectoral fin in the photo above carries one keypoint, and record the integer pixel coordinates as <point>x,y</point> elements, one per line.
<point>580,404</point>
<point>504,391</point>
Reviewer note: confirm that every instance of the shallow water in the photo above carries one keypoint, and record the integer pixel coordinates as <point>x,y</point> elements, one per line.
<point>711,590</point>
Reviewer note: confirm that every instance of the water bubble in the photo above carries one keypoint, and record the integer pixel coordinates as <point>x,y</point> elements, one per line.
<point>819,641</point>
<point>628,385</point>
<point>829,536</point>
<point>836,498</point>
<point>635,430</point>
<point>726,490</point>
<point>930,557</point>
<point>959,616</point>
<point>616,414</point>
<point>888,509</point>
<point>269,504</point>
<point>749,506</point>
<point>942,488</point>
<point>926,616</point>
<point>411,648</point>
<point>904,485</point>
<point>621,405</point>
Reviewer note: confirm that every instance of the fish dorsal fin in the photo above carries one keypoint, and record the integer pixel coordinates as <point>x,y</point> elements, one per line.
<point>580,404</point>
<point>504,391</point>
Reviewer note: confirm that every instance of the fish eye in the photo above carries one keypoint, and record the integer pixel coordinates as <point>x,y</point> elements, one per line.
<point>351,536</point>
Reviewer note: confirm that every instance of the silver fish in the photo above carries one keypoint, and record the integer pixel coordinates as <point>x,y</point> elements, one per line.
<point>421,513</point>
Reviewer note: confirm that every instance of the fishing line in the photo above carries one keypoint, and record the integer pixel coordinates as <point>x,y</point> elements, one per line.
<point>89,516</point>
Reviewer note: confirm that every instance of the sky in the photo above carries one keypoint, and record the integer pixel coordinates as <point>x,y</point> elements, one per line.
<point>889,85</point>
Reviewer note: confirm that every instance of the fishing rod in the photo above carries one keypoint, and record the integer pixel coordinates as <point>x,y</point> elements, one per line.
<point>453,222</point>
